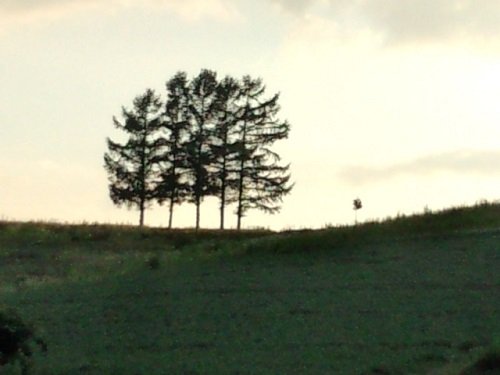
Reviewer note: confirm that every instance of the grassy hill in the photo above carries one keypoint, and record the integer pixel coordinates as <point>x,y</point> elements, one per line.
<point>410,295</point>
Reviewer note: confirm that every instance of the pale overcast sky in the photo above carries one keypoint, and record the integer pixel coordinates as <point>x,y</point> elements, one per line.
<point>396,102</point>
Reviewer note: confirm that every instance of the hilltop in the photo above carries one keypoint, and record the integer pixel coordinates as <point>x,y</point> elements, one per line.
<point>408,295</point>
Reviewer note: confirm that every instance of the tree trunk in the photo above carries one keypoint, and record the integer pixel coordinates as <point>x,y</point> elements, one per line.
<point>172,193</point>
<point>170,212</point>
<point>238,226</point>
<point>223,194</point>
<point>222,206</point>
<point>239,212</point>
<point>141,215</point>
<point>198,202</point>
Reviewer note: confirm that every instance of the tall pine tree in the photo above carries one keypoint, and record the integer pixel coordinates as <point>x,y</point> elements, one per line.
<point>262,181</point>
<point>223,144</point>
<point>173,186</point>
<point>201,106</point>
<point>133,166</point>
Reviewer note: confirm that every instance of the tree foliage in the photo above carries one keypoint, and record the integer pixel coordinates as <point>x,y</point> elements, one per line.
<point>202,105</point>
<point>262,180</point>
<point>224,145</point>
<point>133,166</point>
<point>212,138</point>
<point>17,340</point>
<point>173,186</point>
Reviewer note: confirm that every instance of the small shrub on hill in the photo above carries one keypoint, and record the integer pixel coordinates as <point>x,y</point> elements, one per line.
<point>489,363</point>
<point>17,341</point>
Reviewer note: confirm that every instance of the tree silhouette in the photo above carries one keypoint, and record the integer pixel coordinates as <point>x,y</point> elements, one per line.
<point>210,138</point>
<point>262,181</point>
<point>357,205</point>
<point>198,153</point>
<point>172,186</point>
<point>18,341</point>
<point>224,148</point>
<point>133,166</point>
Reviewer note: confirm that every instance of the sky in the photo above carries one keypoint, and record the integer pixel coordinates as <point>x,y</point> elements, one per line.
<point>396,102</point>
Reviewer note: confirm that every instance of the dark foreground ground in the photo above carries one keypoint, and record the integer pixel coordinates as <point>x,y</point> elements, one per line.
<point>425,304</point>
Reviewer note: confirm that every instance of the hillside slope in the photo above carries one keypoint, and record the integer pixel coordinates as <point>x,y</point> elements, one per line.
<point>407,296</point>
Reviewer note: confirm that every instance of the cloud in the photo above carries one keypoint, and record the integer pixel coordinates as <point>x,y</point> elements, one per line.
<point>408,21</point>
<point>396,21</point>
<point>14,11</point>
<point>194,10</point>
<point>458,162</point>
<point>296,6</point>
<point>29,10</point>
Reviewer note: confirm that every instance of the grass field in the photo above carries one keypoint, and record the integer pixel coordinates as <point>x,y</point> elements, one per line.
<point>412,295</point>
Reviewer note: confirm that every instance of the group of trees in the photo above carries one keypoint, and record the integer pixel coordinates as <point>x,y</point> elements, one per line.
<point>209,138</point>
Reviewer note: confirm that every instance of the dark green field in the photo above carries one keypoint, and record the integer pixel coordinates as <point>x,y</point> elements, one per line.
<point>415,295</point>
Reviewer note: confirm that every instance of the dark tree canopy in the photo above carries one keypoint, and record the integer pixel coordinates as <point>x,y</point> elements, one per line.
<point>17,341</point>
<point>210,138</point>
<point>199,158</point>
<point>262,180</point>
<point>224,145</point>
<point>173,186</point>
<point>132,166</point>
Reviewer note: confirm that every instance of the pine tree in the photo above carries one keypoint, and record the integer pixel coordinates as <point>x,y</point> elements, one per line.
<point>175,121</point>
<point>223,145</point>
<point>201,107</point>
<point>262,181</point>
<point>133,166</point>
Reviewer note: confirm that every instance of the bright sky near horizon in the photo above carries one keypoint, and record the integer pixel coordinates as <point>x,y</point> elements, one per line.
<point>396,102</point>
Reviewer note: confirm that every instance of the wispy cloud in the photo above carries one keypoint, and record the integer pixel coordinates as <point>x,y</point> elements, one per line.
<point>29,10</point>
<point>12,11</point>
<point>409,21</point>
<point>194,10</point>
<point>460,162</point>
<point>396,21</point>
